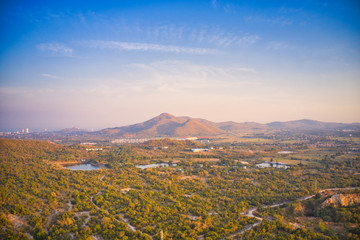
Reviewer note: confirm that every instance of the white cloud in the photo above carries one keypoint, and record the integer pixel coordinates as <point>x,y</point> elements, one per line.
<point>134,46</point>
<point>56,49</point>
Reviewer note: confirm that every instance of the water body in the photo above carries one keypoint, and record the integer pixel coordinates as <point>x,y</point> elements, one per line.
<point>84,167</point>
<point>154,165</point>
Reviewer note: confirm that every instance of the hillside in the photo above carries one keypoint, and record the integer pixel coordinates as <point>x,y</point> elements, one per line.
<point>27,147</point>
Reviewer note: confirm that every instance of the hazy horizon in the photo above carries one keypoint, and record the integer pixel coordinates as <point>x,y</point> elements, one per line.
<point>106,64</point>
<point>144,120</point>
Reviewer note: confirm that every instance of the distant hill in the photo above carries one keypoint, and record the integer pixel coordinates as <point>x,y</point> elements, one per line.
<point>27,147</point>
<point>167,125</point>
<point>164,125</point>
<point>73,130</point>
<point>235,127</point>
<point>306,124</point>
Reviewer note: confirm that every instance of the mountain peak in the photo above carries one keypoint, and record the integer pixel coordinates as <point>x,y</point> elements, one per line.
<point>166,115</point>
<point>168,125</point>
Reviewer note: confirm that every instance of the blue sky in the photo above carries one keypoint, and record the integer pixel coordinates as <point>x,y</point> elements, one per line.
<point>97,64</point>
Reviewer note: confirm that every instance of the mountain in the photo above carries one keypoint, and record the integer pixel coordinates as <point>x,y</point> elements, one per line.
<point>167,125</point>
<point>164,125</point>
<point>306,124</point>
<point>234,127</point>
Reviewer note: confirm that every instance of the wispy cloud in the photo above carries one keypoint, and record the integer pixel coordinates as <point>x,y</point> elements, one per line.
<point>200,35</point>
<point>247,40</point>
<point>223,5</point>
<point>56,49</point>
<point>222,39</point>
<point>160,77</point>
<point>180,76</point>
<point>134,46</point>
<point>282,21</point>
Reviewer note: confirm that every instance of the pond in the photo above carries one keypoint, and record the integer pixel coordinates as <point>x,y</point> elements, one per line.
<point>83,166</point>
<point>154,165</point>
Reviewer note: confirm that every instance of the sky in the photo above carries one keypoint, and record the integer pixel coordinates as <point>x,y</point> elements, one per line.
<point>98,64</point>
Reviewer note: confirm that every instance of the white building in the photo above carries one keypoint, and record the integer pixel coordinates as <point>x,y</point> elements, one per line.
<point>200,150</point>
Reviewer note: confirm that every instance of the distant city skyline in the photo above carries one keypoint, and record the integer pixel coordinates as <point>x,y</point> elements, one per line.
<point>103,64</point>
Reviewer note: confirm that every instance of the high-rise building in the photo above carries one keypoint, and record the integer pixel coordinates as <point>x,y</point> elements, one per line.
<point>27,130</point>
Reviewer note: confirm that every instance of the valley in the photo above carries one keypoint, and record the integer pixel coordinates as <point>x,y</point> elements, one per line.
<point>182,189</point>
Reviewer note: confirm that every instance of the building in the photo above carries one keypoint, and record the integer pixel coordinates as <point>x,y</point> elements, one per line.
<point>200,150</point>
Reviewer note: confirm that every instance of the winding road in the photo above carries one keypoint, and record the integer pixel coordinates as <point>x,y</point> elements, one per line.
<point>250,211</point>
